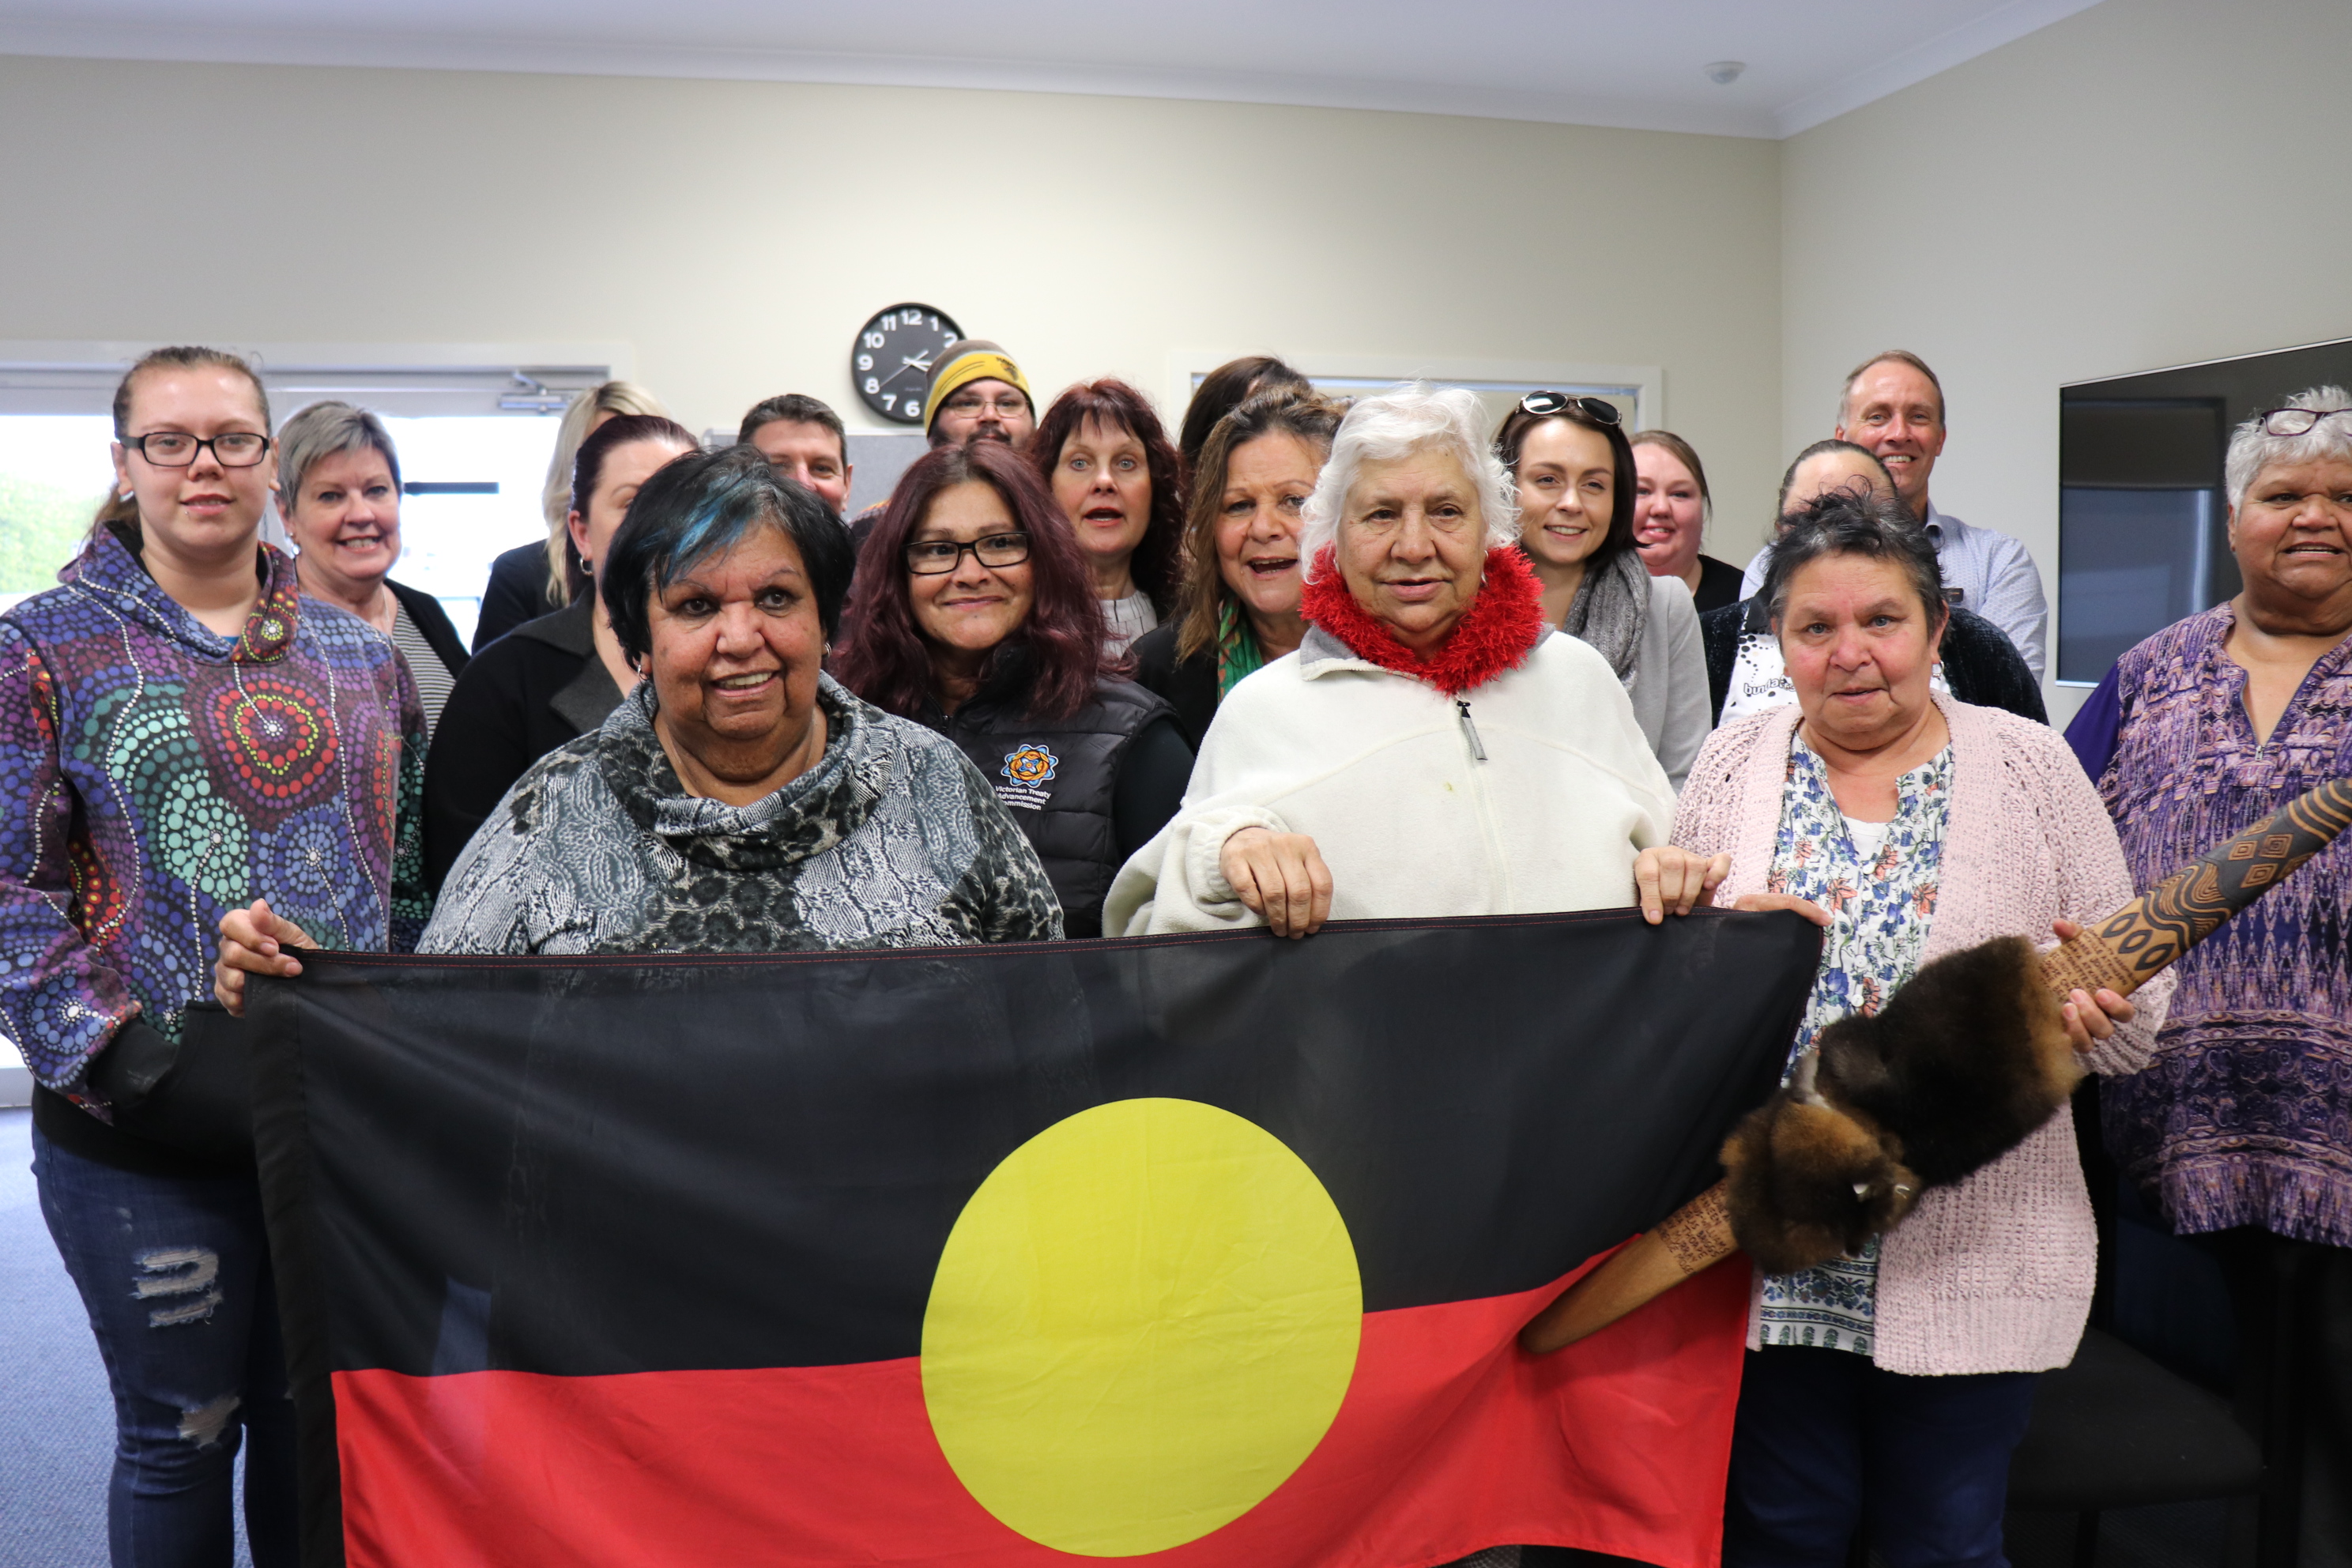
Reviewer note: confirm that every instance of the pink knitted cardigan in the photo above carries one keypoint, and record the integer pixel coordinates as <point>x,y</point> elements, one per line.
<point>1994,1274</point>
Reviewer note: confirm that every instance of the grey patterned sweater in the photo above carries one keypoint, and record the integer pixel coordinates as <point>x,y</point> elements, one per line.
<point>892,840</point>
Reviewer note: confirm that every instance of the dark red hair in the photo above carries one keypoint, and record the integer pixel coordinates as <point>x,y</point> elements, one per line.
<point>884,657</point>
<point>1114,405</point>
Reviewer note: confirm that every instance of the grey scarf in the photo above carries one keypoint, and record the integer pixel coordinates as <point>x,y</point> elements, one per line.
<point>1612,609</point>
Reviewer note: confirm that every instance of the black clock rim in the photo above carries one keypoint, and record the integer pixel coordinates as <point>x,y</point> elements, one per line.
<point>929,310</point>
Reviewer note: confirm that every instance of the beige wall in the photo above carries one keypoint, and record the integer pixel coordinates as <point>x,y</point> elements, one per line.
<point>736,235</point>
<point>2147,183</point>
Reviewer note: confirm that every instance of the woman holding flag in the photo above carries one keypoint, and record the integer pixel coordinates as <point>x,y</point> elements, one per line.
<point>1417,754</point>
<point>738,800</point>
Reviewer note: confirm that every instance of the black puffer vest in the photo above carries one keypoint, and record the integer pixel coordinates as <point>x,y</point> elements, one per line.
<point>1056,777</point>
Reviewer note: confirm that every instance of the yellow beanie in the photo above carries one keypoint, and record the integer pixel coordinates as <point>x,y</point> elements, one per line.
<point>960,365</point>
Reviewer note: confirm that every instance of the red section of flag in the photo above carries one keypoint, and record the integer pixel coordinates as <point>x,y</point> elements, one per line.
<point>1450,1439</point>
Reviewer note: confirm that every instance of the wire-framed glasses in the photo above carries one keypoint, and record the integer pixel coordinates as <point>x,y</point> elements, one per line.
<point>1004,406</point>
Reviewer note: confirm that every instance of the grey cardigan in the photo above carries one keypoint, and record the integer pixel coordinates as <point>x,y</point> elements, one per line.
<point>1668,686</point>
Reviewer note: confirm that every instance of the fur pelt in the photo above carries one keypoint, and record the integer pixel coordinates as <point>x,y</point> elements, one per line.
<point>1962,1064</point>
<point>1954,1072</point>
<point>1809,1181</point>
<point>1501,627</point>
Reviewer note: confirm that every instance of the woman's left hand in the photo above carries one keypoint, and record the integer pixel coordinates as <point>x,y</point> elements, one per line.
<point>255,941</point>
<point>1670,879</point>
<point>2090,1019</point>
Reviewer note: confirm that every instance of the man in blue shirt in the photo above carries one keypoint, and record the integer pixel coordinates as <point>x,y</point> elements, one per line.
<point>1893,405</point>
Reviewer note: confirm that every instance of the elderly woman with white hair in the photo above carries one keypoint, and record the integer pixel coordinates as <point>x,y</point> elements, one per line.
<point>1432,748</point>
<point>2239,1125</point>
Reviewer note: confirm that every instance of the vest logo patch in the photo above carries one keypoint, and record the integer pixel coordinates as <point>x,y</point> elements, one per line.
<point>1028,767</point>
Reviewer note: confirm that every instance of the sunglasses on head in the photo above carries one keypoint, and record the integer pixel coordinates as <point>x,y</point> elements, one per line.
<point>1598,410</point>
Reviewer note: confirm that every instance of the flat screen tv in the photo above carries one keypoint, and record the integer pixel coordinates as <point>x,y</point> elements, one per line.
<point>2142,518</point>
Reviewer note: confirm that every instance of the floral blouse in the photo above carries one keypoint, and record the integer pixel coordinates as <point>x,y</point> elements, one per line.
<point>1880,901</point>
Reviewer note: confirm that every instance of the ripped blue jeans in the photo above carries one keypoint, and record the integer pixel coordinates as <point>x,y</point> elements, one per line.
<point>174,1273</point>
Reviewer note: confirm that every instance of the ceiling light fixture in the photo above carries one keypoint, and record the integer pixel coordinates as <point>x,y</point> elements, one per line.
<point>1723,73</point>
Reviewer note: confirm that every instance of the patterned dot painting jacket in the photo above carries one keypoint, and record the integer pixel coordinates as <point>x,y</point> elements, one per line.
<point>160,775</point>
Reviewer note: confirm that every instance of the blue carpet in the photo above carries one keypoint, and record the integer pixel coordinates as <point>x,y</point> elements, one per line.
<point>56,1426</point>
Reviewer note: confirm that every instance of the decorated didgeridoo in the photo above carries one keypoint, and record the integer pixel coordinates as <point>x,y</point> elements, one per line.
<point>2120,953</point>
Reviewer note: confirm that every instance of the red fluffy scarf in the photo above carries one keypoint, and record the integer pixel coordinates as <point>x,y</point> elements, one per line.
<point>1504,623</point>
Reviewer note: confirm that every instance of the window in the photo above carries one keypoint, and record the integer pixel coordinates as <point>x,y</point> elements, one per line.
<point>474,444</point>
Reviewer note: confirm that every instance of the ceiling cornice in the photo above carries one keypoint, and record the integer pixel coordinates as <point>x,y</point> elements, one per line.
<point>379,50</point>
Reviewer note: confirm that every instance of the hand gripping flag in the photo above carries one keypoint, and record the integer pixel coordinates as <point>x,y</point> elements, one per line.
<point>1188,1251</point>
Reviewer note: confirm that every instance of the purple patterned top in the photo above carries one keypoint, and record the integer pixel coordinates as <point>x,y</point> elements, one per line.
<point>2245,1115</point>
<point>162,774</point>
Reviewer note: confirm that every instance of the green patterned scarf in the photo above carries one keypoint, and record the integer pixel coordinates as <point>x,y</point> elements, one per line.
<point>1237,651</point>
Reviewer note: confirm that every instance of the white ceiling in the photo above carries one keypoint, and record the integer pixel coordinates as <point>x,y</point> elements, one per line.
<point>1633,63</point>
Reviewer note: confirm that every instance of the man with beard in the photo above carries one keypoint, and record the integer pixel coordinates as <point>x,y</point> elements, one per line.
<point>1894,408</point>
<point>977,394</point>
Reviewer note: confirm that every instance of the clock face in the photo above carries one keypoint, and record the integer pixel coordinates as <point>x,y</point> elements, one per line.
<point>891,364</point>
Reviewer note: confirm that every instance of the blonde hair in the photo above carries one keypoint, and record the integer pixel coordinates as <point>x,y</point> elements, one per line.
<point>555,497</point>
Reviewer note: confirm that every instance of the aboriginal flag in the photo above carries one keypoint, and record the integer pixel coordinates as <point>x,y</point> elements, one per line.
<point>1189,1251</point>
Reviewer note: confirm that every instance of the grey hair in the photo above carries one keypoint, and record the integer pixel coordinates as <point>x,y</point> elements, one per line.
<point>324,430</point>
<point>2253,448</point>
<point>1842,522</point>
<point>1414,417</point>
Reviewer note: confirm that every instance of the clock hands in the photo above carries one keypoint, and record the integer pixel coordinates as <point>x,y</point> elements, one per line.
<point>913,362</point>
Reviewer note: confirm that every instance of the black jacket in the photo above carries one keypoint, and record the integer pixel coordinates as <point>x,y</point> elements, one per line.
<point>1187,685</point>
<point>1088,790</point>
<point>519,699</point>
<point>1981,666</point>
<point>433,621</point>
<point>1719,584</point>
<point>517,592</point>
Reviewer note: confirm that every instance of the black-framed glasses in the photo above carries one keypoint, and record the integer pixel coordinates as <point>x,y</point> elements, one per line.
<point>178,449</point>
<point>1599,409</point>
<point>2296,421</point>
<point>932,557</point>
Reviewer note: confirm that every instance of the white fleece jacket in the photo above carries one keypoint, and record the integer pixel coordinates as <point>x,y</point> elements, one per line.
<point>1381,771</point>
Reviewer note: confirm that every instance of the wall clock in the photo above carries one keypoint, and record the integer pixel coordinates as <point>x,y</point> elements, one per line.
<point>891,364</point>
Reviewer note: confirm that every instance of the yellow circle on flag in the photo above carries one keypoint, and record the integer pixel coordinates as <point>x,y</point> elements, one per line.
<point>1144,1321</point>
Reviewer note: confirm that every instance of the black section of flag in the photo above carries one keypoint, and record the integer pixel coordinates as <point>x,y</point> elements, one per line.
<point>597,1167</point>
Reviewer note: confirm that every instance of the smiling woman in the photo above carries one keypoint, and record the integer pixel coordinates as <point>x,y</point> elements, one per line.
<point>1577,483</point>
<point>1239,600</point>
<point>737,800</point>
<point>2207,726</point>
<point>339,492</point>
<point>975,615</point>
<point>259,745</point>
<point>1429,709</point>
